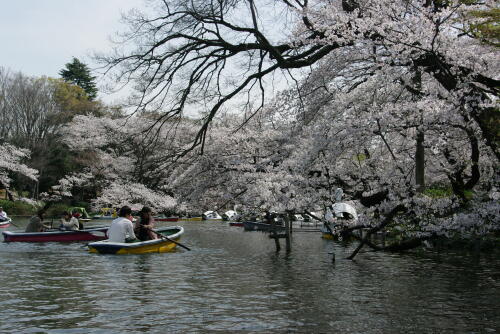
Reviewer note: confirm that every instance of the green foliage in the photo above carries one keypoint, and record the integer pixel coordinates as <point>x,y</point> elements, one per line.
<point>18,208</point>
<point>361,157</point>
<point>78,73</point>
<point>488,27</point>
<point>438,192</point>
<point>468,194</point>
<point>56,210</point>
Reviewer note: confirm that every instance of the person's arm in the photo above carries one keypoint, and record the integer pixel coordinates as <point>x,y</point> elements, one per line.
<point>74,223</point>
<point>41,226</point>
<point>129,230</point>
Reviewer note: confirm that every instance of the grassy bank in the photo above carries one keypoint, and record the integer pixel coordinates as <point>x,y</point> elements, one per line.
<point>18,208</point>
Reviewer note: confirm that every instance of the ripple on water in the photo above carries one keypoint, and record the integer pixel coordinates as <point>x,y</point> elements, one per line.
<point>233,281</point>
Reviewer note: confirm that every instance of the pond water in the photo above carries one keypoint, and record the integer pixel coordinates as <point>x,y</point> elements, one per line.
<point>234,282</point>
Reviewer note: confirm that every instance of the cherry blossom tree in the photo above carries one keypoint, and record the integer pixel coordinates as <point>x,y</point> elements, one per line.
<point>386,99</point>
<point>11,161</point>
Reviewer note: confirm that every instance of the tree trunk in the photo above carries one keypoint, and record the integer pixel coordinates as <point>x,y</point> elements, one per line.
<point>420,161</point>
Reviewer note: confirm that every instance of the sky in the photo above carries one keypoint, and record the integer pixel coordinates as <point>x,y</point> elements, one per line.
<point>38,37</point>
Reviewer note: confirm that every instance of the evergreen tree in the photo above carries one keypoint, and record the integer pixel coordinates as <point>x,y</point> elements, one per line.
<point>78,73</point>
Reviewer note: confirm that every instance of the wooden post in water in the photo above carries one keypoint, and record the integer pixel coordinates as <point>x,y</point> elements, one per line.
<point>274,234</point>
<point>287,231</point>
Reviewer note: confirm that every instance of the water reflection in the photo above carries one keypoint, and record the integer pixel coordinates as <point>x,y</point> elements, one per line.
<point>235,281</point>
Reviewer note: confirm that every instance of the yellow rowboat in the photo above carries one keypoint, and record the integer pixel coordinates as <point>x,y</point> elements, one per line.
<point>141,247</point>
<point>191,219</point>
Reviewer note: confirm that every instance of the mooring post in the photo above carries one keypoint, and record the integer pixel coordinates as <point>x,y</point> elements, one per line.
<point>274,234</point>
<point>287,232</point>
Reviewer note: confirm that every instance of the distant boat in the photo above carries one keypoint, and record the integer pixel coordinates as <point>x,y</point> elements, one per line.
<point>191,219</point>
<point>141,247</point>
<point>106,213</point>
<point>87,234</point>
<point>211,215</point>
<point>230,215</point>
<point>340,214</point>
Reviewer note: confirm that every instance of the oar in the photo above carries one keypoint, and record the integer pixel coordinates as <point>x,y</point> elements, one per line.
<point>11,222</point>
<point>164,237</point>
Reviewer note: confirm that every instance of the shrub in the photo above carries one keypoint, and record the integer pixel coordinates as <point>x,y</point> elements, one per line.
<point>18,208</point>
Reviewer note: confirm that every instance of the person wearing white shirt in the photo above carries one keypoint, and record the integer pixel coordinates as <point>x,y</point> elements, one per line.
<point>68,222</point>
<point>3,215</point>
<point>121,228</point>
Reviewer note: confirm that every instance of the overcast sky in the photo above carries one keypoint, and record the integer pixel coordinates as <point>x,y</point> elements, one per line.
<point>37,37</point>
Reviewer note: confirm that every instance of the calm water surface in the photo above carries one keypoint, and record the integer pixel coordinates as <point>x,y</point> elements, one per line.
<point>234,282</point>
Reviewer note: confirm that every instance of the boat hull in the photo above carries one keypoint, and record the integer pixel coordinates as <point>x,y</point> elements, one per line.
<point>6,223</point>
<point>235,224</point>
<point>192,219</point>
<point>93,234</point>
<point>144,247</point>
<point>258,226</point>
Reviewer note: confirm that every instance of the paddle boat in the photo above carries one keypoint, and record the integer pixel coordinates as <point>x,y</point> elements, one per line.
<point>161,245</point>
<point>211,215</point>
<point>106,213</point>
<point>230,215</point>
<point>340,214</point>
<point>55,235</point>
<point>5,223</point>
<point>298,218</point>
<point>80,213</point>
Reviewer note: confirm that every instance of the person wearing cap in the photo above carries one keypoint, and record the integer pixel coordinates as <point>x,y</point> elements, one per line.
<point>144,227</point>
<point>3,215</point>
<point>122,229</point>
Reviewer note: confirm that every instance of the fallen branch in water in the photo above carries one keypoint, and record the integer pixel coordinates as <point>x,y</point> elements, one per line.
<point>388,219</point>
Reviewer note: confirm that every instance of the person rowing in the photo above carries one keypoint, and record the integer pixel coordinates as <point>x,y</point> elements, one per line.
<point>144,227</point>
<point>36,223</point>
<point>69,222</point>
<point>122,229</point>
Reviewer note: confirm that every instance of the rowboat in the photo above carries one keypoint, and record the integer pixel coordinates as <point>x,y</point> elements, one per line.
<point>191,219</point>
<point>87,234</point>
<point>260,226</point>
<point>235,224</point>
<point>141,247</point>
<point>166,219</point>
<point>5,223</point>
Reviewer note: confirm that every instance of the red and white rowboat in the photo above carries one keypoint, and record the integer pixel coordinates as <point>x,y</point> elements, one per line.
<point>87,234</point>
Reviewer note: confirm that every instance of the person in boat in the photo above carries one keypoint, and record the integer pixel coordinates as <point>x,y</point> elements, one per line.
<point>69,222</point>
<point>3,215</point>
<point>122,229</point>
<point>36,223</point>
<point>144,227</point>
